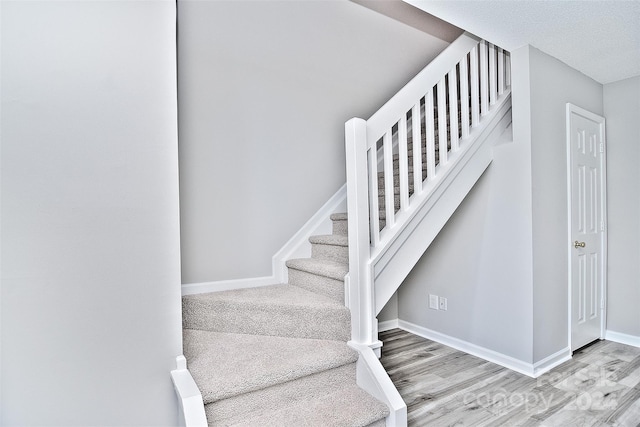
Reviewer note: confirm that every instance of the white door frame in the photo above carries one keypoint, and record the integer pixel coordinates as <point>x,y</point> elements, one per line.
<point>571,108</point>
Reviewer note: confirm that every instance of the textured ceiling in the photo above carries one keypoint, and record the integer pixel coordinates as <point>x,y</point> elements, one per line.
<point>599,38</point>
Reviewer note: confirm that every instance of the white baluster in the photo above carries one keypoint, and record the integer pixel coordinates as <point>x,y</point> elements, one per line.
<point>500,71</point>
<point>484,79</point>
<point>475,94</point>
<point>442,122</point>
<point>464,97</point>
<point>493,90</point>
<point>507,74</point>
<point>403,160</point>
<point>431,138</point>
<point>374,205</point>
<point>453,109</point>
<point>417,148</point>
<point>389,199</point>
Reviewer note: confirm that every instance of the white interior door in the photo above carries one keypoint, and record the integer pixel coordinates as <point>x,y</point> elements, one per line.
<point>586,152</point>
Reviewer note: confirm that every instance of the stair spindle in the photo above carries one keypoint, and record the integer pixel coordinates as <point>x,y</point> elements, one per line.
<point>484,79</point>
<point>416,129</point>
<point>453,109</point>
<point>442,121</point>
<point>493,89</point>
<point>389,199</point>
<point>374,206</point>
<point>500,71</point>
<point>431,138</point>
<point>403,160</point>
<point>475,95</point>
<point>464,97</point>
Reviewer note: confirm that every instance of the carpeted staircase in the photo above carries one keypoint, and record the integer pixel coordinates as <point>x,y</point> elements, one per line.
<point>278,355</point>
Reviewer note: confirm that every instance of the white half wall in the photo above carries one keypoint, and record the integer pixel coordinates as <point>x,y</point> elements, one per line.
<point>265,90</point>
<point>622,111</point>
<point>90,273</point>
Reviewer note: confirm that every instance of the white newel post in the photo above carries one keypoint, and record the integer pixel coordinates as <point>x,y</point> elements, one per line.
<point>361,303</point>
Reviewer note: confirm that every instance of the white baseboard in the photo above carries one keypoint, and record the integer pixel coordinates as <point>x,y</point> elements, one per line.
<point>550,362</point>
<point>387,325</point>
<point>529,369</point>
<point>227,285</point>
<point>622,338</point>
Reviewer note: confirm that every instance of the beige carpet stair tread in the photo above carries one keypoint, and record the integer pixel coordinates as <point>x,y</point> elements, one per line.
<point>277,310</point>
<point>279,295</point>
<point>349,406</point>
<point>330,239</point>
<point>225,365</point>
<point>331,269</point>
<point>256,403</point>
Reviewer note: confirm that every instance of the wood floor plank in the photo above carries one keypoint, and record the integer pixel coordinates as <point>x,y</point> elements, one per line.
<point>599,386</point>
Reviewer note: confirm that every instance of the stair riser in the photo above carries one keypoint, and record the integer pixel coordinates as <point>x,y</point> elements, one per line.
<point>319,284</point>
<point>291,322</point>
<point>340,227</point>
<point>330,252</point>
<point>236,409</point>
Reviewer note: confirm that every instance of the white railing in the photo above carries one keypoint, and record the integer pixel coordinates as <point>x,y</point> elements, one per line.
<point>397,158</point>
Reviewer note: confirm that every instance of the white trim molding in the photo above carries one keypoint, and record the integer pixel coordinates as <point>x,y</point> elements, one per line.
<point>387,325</point>
<point>227,285</point>
<point>190,403</point>
<point>297,247</point>
<point>550,362</point>
<point>621,338</point>
<point>530,369</point>
<point>373,378</point>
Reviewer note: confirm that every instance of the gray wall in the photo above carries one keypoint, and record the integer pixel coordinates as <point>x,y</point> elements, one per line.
<point>265,89</point>
<point>553,84</point>
<point>622,111</point>
<point>480,262</point>
<point>90,272</point>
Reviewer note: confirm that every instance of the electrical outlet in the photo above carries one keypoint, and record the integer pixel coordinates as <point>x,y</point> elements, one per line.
<point>433,301</point>
<point>443,303</point>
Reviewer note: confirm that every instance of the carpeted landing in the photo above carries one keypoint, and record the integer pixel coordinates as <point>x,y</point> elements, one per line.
<point>278,355</point>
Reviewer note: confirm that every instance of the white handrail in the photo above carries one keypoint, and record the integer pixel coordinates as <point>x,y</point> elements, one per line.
<point>444,104</point>
<point>402,101</point>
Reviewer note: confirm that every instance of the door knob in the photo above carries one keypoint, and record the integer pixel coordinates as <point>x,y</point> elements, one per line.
<point>577,244</point>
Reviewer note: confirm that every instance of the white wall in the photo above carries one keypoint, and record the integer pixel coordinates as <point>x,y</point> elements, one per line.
<point>553,84</point>
<point>622,111</point>
<point>265,89</point>
<point>91,321</point>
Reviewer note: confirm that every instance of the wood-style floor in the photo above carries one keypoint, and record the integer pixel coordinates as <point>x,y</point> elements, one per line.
<point>442,386</point>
